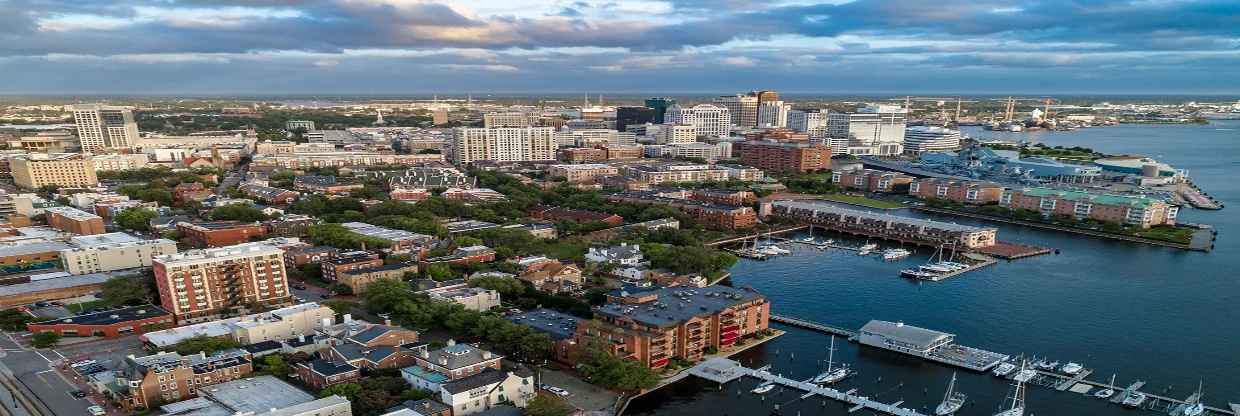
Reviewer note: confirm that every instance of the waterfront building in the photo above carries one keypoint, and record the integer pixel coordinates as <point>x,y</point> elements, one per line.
<point>872,180</point>
<point>709,120</point>
<point>742,108</point>
<point>874,130</point>
<point>37,170</point>
<point>883,225</point>
<point>964,192</point>
<point>502,144</point>
<point>922,139</point>
<point>199,284</point>
<point>785,157</point>
<point>1137,165</point>
<point>73,220</point>
<point>1132,210</point>
<point>112,251</point>
<point>628,115</point>
<point>102,127</point>
<point>812,122</point>
<point>711,215</point>
<point>660,106</point>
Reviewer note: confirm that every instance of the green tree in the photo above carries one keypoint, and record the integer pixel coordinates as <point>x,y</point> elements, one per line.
<point>204,344</point>
<point>123,290</point>
<point>439,272</point>
<point>604,369</point>
<point>137,219</point>
<point>346,390</point>
<point>45,339</point>
<point>238,212</point>
<point>547,406</point>
<point>13,320</point>
<point>275,365</point>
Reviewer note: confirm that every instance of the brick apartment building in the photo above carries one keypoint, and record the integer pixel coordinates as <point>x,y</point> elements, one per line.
<point>220,233</point>
<point>872,180</point>
<point>1138,211</point>
<point>199,284</point>
<point>169,377</point>
<point>711,215</point>
<point>191,192</point>
<point>582,172</point>
<point>964,192</point>
<point>298,256</point>
<point>357,280</point>
<point>270,195</point>
<point>349,261</point>
<point>784,157</point>
<point>108,324</point>
<point>463,256</point>
<point>73,220</point>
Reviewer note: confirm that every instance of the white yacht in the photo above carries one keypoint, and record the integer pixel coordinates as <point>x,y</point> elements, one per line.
<point>895,254</point>
<point>1025,374</point>
<point>1107,392</point>
<point>1004,369</point>
<point>763,388</point>
<point>935,268</point>
<point>1134,399</point>
<point>1195,407</point>
<point>952,400</point>
<point>832,375</point>
<point>1071,368</point>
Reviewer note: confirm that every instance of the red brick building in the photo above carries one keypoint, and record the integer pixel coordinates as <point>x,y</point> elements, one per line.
<point>582,154</point>
<point>108,324</point>
<point>964,192</point>
<point>712,215</point>
<point>198,285</point>
<point>73,220</point>
<point>872,180</point>
<point>344,262</point>
<point>191,191</point>
<point>784,157</point>
<point>220,233</point>
<point>549,213</point>
<point>462,256</point>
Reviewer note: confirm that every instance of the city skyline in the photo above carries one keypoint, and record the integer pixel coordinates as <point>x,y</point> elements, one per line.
<point>410,47</point>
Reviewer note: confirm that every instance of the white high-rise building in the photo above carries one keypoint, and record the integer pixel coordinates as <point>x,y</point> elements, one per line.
<point>508,144</point>
<point>813,122</point>
<point>710,120</point>
<point>922,139</point>
<point>773,114</point>
<point>742,108</point>
<point>105,127</point>
<point>875,130</point>
<point>675,134</point>
<point>595,137</point>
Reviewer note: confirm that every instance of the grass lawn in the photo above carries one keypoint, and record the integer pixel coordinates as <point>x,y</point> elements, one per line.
<point>87,306</point>
<point>862,201</point>
<point>1173,234</point>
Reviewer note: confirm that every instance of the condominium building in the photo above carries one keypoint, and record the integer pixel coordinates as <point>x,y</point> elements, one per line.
<point>773,114</point>
<point>103,127</point>
<point>582,172</point>
<point>595,138</point>
<point>506,120</point>
<point>73,220</point>
<point>872,180</point>
<point>1138,211</point>
<point>710,120</point>
<point>742,108</point>
<point>502,144</point>
<point>812,122</point>
<point>655,325</point>
<point>785,157</point>
<point>111,162</point>
<point>112,251</point>
<point>964,192</point>
<point>58,169</point>
<point>874,130</point>
<point>657,174</point>
<point>676,134</point>
<point>922,139</point>
<point>197,284</point>
<point>883,225</point>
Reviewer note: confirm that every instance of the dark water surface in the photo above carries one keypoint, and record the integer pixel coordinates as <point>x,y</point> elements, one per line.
<point>1166,316</point>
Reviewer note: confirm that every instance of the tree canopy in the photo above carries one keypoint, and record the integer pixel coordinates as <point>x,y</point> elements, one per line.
<point>137,219</point>
<point>133,289</point>
<point>238,212</point>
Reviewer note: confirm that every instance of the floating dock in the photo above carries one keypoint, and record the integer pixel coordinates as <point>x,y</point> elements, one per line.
<point>979,261</point>
<point>723,371</point>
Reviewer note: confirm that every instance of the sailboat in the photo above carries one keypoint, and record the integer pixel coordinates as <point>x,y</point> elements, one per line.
<point>952,400</point>
<point>1107,392</point>
<point>1195,407</point>
<point>1017,408</point>
<point>832,376</point>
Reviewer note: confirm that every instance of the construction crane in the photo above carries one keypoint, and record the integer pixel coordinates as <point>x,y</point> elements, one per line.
<point>941,102</point>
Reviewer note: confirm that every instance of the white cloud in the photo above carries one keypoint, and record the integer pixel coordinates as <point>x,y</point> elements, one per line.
<point>741,61</point>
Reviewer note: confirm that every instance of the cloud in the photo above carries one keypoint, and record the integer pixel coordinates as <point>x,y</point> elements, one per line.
<point>741,61</point>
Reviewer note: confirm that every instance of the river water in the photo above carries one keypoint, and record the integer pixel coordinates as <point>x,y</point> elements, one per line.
<point>1162,315</point>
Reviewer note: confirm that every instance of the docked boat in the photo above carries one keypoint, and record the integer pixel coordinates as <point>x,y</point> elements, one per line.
<point>952,400</point>
<point>807,240</point>
<point>1194,406</point>
<point>954,265</point>
<point>1107,392</point>
<point>895,254</point>
<point>918,274</point>
<point>1071,368</point>
<point>870,246</point>
<point>1134,399</point>
<point>763,388</point>
<point>832,375</point>
<point>935,268</point>
<point>772,250</point>
<point>1044,364</point>
<point>1025,374</point>
<point>1004,369</point>
<point>1017,405</point>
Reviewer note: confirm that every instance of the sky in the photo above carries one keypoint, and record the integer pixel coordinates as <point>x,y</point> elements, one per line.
<point>257,47</point>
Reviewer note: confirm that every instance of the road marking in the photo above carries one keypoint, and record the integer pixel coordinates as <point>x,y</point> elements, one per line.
<point>41,355</point>
<point>62,356</point>
<point>45,371</point>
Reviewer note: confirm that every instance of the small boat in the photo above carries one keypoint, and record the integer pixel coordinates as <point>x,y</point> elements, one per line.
<point>807,240</point>
<point>935,268</point>
<point>895,254</point>
<point>1044,364</point>
<point>832,375</point>
<point>954,265</point>
<point>952,400</point>
<point>1134,399</point>
<point>1025,374</point>
<point>918,274</point>
<point>1004,369</point>
<point>763,388</point>
<point>1017,406</point>
<point>1071,368</point>
<point>1107,392</point>
<point>869,247</point>
<point>1195,407</point>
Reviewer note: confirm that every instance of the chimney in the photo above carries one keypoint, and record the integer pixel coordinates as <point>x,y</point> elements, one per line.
<point>348,317</point>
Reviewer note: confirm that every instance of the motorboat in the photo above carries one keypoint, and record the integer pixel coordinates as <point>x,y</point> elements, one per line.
<point>832,375</point>
<point>918,274</point>
<point>869,247</point>
<point>895,254</point>
<point>1134,399</point>
<point>1107,392</point>
<point>763,388</point>
<point>1044,364</point>
<point>773,250</point>
<point>952,400</point>
<point>1017,405</point>
<point>1071,368</point>
<point>1004,369</point>
<point>807,240</point>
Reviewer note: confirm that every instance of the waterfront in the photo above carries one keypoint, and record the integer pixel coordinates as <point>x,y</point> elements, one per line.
<point>1158,314</point>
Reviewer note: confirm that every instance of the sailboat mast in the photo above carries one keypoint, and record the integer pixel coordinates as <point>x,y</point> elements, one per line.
<point>831,354</point>
<point>951,385</point>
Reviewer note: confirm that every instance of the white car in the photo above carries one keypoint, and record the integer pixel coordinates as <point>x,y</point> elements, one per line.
<point>556,390</point>
<point>96,411</point>
<point>83,363</point>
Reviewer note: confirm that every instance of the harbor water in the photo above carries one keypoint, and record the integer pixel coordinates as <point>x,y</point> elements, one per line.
<point>1162,315</point>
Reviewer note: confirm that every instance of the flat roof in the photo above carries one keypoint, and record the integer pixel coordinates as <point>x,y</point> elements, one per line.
<point>673,306</point>
<point>62,282</point>
<point>383,232</point>
<point>73,213</point>
<point>103,239</point>
<point>256,395</point>
<point>115,316</point>
<point>32,247</point>
<point>557,324</point>
<point>898,331</point>
<point>1097,198</point>
<point>824,207</point>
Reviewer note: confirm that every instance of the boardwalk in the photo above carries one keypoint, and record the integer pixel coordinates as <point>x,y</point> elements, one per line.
<point>722,370</point>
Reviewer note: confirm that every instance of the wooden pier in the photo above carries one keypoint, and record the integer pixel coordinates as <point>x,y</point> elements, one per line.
<point>801,323</point>
<point>723,371</point>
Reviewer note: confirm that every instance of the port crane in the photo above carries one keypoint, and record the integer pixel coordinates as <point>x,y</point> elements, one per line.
<point>1010,109</point>
<point>941,103</point>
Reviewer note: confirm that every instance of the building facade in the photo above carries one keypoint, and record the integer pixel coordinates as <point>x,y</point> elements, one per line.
<point>73,220</point>
<point>502,144</point>
<point>34,171</point>
<point>199,284</point>
<point>964,192</point>
<point>1138,211</point>
<point>874,130</point>
<point>922,139</point>
<point>709,120</point>
<point>103,127</point>
<point>872,180</point>
<point>785,157</point>
<point>105,253</point>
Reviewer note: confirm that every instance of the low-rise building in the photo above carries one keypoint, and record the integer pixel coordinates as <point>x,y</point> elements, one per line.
<point>269,194</point>
<point>112,251</point>
<point>468,226</point>
<point>169,377</point>
<point>463,256</point>
<point>883,225</point>
<point>964,192</point>
<point>299,256</point>
<point>65,287</point>
<point>487,390</point>
<point>549,213</point>
<point>107,324</point>
<point>263,395</point>
<point>561,327</point>
<point>582,172</point>
<point>399,241</point>
<point>73,220</point>
<point>712,215</point>
<point>622,255</point>
<point>358,279</point>
<point>220,233</point>
<point>349,261</point>
<point>329,185</point>
<point>872,180</point>
<point>1138,211</point>
<point>472,298</point>
<point>191,192</point>
<point>452,362</point>
<point>276,325</point>
<point>553,276</point>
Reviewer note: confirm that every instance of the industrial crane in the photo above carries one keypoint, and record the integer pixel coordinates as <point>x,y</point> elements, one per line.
<point>941,103</point>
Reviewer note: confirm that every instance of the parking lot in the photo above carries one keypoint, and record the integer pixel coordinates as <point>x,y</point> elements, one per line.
<point>582,395</point>
<point>50,381</point>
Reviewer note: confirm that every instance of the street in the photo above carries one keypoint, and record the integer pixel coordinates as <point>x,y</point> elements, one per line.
<point>45,378</point>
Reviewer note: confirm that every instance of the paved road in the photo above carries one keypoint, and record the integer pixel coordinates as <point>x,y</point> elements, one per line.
<point>35,373</point>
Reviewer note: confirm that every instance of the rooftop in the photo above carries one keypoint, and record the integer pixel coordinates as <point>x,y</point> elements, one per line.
<point>131,313</point>
<point>72,213</point>
<point>898,331</point>
<point>673,306</point>
<point>244,250</point>
<point>102,239</point>
<point>459,356</point>
<point>835,209</point>
<point>557,324</point>
<point>33,247</point>
<point>61,283</point>
<point>384,233</point>
<point>1106,199</point>
<point>468,226</point>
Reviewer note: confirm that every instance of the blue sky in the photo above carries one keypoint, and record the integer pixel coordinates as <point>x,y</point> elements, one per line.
<point>427,46</point>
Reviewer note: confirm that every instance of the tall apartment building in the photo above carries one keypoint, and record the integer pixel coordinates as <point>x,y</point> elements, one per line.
<point>812,122</point>
<point>626,116</point>
<point>922,139</point>
<point>710,120</point>
<point>742,108</point>
<point>765,96</point>
<point>874,130</point>
<point>785,157</point>
<point>198,284</point>
<point>112,251</point>
<point>506,120</point>
<point>676,134</point>
<point>73,220</point>
<point>660,106</point>
<point>773,114</point>
<point>503,144</point>
<point>60,169</point>
<point>1139,211</point>
<point>105,127</point>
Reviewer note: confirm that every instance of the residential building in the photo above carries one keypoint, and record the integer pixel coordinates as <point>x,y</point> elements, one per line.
<point>292,125</point>
<point>582,172</point>
<point>582,154</point>
<point>34,171</point>
<point>319,374</point>
<point>624,152</point>
<point>472,298</point>
<point>289,225</point>
<point>549,213</point>
<point>349,261</point>
<point>718,196</point>
<point>773,114</point>
<point>872,180</point>
<point>191,192</point>
<point>270,195</point>
<point>1129,210</point>
<point>170,377</point>
<point>697,151</point>
<point>506,120</point>
<point>709,120</point>
<point>329,185</point>
<point>220,233</point>
<point>710,214</point>
<point>964,192</point>
<point>431,178</point>
<point>654,325</point>
<point>660,106</point>
<point>300,320</point>
<point>112,162</point>
<point>785,157</point>
<point>73,220</point>
<point>874,130</point>
<point>112,251</point>
<point>676,134</point>
<point>399,241</point>
<point>463,256</point>
<point>107,324</point>
<point>102,127</point>
<point>199,284</point>
<point>424,407</point>
<point>263,395</point>
<point>488,390</point>
<point>340,159</point>
<point>561,327</point>
<point>594,138</point>
<point>621,255</point>
<point>742,108</point>
<point>358,279</point>
<point>453,362</point>
<point>276,147</point>
<point>676,172</point>
<point>626,116</point>
<point>812,122</point>
<point>473,195</point>
<point>883,225</point>
<point>502,144</point>
<point>922,139</point>
<point>299,256</point>
<point>372,347</point>
<point>553,277</point>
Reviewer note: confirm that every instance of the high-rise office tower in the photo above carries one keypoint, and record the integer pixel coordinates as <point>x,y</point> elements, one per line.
<point>660,106</point>
<point>742,108</point>
<point>773,114</point>
<point>874,130</point>
<point>633,115</point>
<point>102,127</point>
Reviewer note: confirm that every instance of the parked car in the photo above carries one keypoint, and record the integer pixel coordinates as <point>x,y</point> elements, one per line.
<point>78,394</point>
<point>299,286</point>
<point>96,411</point>
<point>556,390</point>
